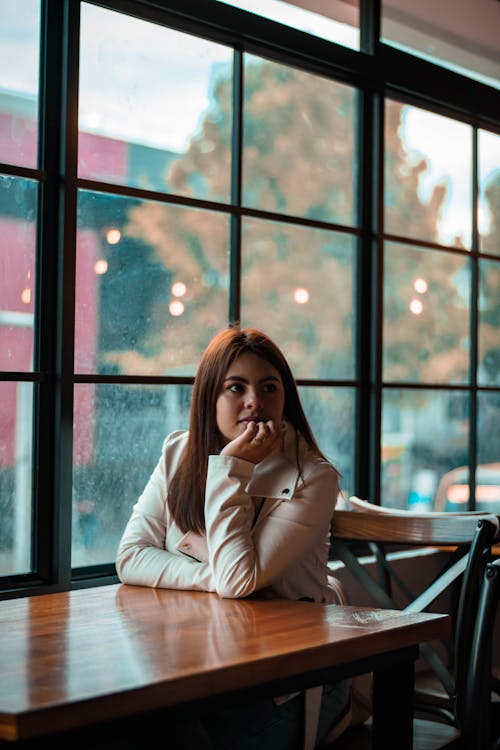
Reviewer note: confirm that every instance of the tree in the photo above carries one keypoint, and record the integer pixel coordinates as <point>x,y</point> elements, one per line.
<point>299,159</point>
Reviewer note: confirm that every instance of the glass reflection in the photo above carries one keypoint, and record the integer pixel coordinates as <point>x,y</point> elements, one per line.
<point>290,277</point>
<point>454,488</point>
<point>489,323</point>
<point>413,466</point>
<point>298,143</point>
<point>428,170</point>
<point>488,440</point>
<point>150,122</point>
<point>119,431</point>
<point>426,315</point>
<point>16,466</point>
<point>151,285</point>
<point>19,63</point>
<point>18,201</point>
<point>337,22</point>
<point>489,192</point>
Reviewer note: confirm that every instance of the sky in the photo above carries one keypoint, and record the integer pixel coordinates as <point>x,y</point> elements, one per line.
<point>125,63</point>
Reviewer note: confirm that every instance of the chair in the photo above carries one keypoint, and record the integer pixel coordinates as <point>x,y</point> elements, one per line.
<point>355,503</point>
<point>482,727</point>
<point>469,537</point>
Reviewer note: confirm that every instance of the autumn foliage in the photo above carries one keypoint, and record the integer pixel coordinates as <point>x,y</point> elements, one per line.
<point>298,280</point>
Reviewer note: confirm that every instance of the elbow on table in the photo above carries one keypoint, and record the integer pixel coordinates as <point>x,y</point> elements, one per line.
<point>234,589</point>
<point>121,569</point>
<point>124,564</point>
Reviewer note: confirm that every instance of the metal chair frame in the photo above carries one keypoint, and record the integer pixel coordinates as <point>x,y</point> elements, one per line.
<point>479,728</point>
<point>470,533</point>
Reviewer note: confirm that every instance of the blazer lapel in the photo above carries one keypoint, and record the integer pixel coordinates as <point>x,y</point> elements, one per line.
<point>276,477</point>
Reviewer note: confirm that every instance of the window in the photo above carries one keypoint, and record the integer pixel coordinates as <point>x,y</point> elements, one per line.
<point>193,168</point>
<point>430,334</point>
<point>19,192</point>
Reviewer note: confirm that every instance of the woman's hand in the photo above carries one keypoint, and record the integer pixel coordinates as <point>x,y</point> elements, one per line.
<point>255,443</point>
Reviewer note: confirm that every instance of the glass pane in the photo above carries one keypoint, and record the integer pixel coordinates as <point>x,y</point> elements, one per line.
<point>298,143</point>
<point>488,442</point>
<point>18,200</point>
<point>426,315</point>
<point>19,54</point>
<point>457,34</point>
<point>119,431</point>
<point>335,20</point>
<point>454,490</point>
<point>151,285</point>
<point>489,323</point>
<point>428,168</point>
<point>16,425</point>
<point>151,122</point>
<point>413,466</point>
<point>331,414</point>
<point>489,192</point>
<point>298,286</point>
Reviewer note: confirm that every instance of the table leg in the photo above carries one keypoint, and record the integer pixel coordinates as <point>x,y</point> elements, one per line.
<point>393,689</point>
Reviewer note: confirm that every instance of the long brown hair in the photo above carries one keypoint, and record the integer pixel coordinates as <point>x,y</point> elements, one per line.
<point>186,495</point>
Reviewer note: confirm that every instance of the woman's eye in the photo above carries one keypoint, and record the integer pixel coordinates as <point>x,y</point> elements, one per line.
<point>235,388</point>
<point>270,388</point>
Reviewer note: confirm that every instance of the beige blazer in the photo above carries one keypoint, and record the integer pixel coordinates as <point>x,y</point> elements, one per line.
<point>285,550</point>
<point>267,530</point>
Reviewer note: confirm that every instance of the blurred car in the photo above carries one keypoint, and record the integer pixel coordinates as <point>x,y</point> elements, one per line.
<point>452,493</point>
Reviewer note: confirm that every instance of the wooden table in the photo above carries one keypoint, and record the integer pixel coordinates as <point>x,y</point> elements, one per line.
<point>71,660</point>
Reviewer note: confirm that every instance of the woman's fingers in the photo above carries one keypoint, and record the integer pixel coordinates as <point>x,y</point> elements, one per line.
<point>266,433</point>
<point>255,442</point>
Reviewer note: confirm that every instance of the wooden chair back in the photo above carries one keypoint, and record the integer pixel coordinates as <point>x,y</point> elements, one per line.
<point>356,503</point>
<point>416,529</point>
<point>469,537</point>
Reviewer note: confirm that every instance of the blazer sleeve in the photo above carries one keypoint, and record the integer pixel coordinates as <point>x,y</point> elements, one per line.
<point>141,557</point>
<point>245,560</point>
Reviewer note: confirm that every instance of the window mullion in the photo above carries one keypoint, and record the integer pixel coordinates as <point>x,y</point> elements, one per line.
<point>66,294</point>
<point>46,298</point>
<point>369,23</point>
<point>236,188</point>
<point>474,322</point>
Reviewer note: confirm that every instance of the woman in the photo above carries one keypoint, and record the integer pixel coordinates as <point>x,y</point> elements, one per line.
<point>241,504</point>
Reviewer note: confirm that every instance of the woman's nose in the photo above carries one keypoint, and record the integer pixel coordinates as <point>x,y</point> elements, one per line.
<point>253,399</point>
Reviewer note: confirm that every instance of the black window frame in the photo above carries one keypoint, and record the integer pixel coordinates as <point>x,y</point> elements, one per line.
<point>377,71</point>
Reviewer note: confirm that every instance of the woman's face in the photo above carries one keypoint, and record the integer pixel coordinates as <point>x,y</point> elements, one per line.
<point>252,390</point>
